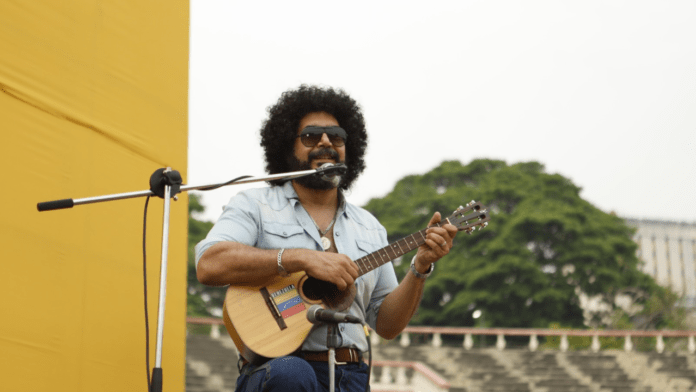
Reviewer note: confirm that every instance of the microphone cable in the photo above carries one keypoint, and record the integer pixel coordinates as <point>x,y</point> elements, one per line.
<point>147,322</point>
<point>369,351</point>
<point>230,182</point>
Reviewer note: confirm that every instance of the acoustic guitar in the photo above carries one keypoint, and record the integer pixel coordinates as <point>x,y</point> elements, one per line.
<point>269,320</point>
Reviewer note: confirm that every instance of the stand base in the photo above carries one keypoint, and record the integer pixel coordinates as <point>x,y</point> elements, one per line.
<point>156,384</point>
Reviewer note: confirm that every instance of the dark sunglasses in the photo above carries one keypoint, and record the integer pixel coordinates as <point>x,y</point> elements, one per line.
<point>310,136</point>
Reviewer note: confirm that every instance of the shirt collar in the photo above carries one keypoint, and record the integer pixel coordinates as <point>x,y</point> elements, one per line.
<point>291,195</point>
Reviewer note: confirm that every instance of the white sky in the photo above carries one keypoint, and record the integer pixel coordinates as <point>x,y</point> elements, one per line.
<point>601,92</point>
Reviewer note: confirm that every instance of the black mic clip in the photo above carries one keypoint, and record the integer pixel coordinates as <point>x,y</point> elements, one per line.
<point>162,177</point>
<point>332,169</point>
<point>316,315</point>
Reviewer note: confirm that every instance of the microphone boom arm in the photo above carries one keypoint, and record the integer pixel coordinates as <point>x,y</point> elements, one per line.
<point>69,203</point>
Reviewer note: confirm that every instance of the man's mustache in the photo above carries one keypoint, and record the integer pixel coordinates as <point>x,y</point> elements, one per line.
<point>324,153</point>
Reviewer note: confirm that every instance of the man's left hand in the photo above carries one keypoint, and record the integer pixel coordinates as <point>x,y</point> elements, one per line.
<point>438,242</point>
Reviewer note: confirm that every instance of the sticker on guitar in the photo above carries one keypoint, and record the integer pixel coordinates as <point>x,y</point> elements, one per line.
<point>288,301</point>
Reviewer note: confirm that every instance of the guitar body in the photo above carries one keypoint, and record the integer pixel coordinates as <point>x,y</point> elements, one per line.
<point>270,320</point>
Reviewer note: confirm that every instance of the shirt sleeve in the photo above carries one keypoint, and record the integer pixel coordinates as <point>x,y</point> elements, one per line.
<point>386,283</point>
<point>239,222</point>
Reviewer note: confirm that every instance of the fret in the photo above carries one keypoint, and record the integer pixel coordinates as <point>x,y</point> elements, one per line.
<point>401,250</point>
<point>414,240</point>
<point>370,258</point>
<point>393,255</point>
<point>362,261</point>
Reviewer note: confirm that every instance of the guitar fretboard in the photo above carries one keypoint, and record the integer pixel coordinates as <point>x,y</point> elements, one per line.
<point>391,252</point>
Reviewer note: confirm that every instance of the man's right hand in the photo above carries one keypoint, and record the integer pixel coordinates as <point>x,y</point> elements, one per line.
<point>331,267</point>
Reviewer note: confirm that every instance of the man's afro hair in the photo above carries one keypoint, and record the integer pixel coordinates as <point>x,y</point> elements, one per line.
<point>279,131</point>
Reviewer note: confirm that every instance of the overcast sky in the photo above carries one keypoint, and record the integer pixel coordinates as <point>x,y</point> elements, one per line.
<point>601,92</point>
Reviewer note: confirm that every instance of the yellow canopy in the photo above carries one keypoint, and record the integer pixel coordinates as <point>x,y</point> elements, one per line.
<point>93,99</point>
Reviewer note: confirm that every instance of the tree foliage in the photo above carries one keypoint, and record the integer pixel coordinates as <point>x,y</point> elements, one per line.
<point>544,246</point>
<point>202,300</point>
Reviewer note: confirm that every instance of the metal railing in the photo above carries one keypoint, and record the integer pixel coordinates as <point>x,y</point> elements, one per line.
<point>501,333</point>
<point>393,373</point>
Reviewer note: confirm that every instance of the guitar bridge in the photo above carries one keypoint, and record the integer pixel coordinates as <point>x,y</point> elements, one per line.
<point>273,308</point>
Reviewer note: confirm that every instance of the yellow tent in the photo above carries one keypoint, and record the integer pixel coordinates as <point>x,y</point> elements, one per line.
<point>93,99</point>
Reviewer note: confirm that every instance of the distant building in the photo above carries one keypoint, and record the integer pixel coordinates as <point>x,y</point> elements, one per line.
<point>668,252</point>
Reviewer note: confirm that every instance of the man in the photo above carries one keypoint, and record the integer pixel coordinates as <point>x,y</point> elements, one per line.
<point>306,225</point>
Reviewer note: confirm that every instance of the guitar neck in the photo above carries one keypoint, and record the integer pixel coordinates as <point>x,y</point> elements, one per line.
<point>390,252</point>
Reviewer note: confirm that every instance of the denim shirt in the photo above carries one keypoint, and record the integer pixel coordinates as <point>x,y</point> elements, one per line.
<point>273,218</point>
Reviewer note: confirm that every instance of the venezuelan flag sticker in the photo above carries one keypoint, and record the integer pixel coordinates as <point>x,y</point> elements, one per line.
<point>288,301</point>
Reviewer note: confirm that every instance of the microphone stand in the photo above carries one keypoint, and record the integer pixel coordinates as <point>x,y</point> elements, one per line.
<point>332,342</point>
<point>166,183</point>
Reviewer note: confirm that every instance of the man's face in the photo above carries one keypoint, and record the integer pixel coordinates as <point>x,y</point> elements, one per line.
<point>313,157</point>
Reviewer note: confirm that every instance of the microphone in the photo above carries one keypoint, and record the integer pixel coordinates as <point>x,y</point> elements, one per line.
<point>332,172</point>
<point>316,314</point>
<point>331,168</point>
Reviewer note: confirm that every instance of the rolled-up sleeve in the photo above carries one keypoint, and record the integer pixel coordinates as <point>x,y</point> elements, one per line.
<point>239,222</point>
<point>386,283</point>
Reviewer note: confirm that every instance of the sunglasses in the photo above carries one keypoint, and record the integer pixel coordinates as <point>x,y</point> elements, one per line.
<point>310,136</point>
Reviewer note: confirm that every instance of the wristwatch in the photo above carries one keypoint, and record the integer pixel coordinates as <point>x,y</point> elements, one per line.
<point>418,274</point>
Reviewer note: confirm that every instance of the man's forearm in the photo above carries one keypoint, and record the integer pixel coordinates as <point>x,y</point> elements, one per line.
<point>399,306</point>
<point>234,263</point>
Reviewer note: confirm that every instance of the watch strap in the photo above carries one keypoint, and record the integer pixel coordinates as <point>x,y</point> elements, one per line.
<point>418,274</point>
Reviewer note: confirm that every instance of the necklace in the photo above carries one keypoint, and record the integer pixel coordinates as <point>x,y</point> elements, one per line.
<point>325,242</point>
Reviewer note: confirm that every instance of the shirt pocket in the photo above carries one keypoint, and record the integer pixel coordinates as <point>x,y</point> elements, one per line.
<point>366,247</point>
<point>278,235</point>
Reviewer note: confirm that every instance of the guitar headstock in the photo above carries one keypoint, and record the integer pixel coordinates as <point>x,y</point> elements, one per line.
<point>468,218</point>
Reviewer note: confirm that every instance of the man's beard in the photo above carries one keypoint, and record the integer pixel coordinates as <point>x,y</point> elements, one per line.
<point>316,181</point>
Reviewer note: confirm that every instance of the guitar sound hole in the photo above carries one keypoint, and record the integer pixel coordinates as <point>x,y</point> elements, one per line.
<point>315,289</point>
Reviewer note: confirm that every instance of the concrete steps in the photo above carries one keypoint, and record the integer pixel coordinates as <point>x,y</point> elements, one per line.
<point>605,372</point>
<point>211,366</point>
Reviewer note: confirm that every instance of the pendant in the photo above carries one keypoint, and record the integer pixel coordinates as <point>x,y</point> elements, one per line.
<point>325,243</point>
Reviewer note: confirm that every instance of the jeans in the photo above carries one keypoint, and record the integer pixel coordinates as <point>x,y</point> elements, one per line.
<point>295,374</point>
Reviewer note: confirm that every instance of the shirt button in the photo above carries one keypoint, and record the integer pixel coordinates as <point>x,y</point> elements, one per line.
<point>343,328</point>
<point>284,233</point>
<point>338,234</point>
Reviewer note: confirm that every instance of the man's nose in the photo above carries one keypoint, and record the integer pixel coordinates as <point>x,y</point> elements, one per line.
<point>324,141</point>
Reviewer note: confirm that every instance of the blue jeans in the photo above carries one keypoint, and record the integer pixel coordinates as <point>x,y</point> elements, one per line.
<point>295,374</point>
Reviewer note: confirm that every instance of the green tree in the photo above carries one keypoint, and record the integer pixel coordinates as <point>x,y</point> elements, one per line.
<point>202,300</point>
<point>543,247</point>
